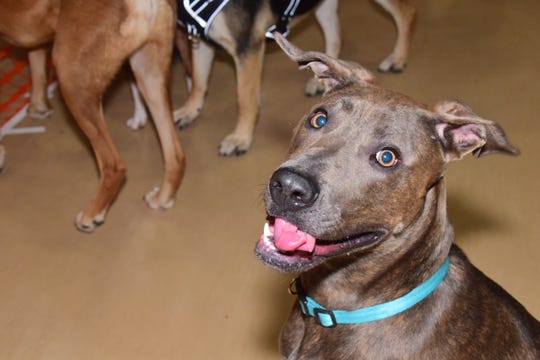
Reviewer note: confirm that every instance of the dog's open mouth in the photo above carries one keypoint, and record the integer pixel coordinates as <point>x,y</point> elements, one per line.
<point>284,247</point>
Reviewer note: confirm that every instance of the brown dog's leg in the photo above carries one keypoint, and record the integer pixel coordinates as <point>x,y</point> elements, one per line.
<point>403,13</point>
<point>202,56</point>
<point>84,103</point>
<point>248,79</point>
<point>183,44</point>
<point>39,107</point>
<point>86,108</point>
<point>326,15</point>
<point>86,61</point>
<point>2,157</point>
<point>150,65</point>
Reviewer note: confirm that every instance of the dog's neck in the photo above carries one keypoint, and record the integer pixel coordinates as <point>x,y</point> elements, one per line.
<point>367,279</point>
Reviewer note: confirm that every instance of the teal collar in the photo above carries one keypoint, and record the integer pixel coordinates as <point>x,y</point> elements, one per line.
<point>331,318</point>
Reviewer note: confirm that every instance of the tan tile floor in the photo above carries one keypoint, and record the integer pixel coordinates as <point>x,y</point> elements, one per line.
<point>184,284</point>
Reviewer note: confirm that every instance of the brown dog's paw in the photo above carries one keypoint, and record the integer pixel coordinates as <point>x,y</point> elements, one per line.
<point>183,117</point>
<point>39,113</point>
<point>152,199</point>
<point>234,145</point>
<point>88,224</point>
<point>392,65</point>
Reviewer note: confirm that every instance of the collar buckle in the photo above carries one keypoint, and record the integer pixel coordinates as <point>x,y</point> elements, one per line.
<point>324,317</point>
<point>293,287</point>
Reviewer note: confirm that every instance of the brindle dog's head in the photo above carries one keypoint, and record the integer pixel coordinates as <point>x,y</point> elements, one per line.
<point>360,165</point>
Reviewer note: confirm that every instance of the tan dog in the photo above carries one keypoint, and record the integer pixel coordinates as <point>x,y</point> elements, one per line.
<point>359,210</point>
<point>240,29</point>
<point>91,41</point>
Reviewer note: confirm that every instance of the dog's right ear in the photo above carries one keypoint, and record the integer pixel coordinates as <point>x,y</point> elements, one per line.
<point>461,132</point>
<point>334,73</point>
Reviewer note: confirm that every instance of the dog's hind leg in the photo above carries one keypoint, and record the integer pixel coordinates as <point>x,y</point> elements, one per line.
<point>150,65</point>
<point>83,97</point>
<point>202,58</point>
<point>404,14</point>
<point>327,16</point>
<point>248,79</point>
<point>84,102</point>
<point>86,61</point>
<point>39,107</point>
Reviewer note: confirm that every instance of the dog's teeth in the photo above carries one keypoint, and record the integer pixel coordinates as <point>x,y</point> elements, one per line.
<point>266,231</point>
<point>268,235</point>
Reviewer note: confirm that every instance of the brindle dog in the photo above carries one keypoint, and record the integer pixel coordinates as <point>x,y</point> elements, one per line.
<point>359,209</point>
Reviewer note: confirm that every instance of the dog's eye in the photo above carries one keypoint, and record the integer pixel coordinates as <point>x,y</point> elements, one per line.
<point>318,120</point>
<point>386,158</point>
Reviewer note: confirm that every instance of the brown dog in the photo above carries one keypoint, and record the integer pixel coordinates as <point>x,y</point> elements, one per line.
<point>2,158</point>
<point>240,28</point>
<point>92,40</point>
<point>359,208</point>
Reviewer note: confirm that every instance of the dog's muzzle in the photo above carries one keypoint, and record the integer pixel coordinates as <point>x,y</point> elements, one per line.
<point>292,191</point>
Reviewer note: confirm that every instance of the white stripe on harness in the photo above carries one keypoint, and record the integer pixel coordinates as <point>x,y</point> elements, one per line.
<point>195,7</point>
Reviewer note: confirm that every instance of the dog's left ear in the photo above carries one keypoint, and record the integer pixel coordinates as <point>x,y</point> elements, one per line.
<point>461,132</point>
<point>334,73</point>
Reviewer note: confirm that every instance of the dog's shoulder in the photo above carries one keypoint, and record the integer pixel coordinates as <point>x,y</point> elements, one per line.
<point>482,306</point>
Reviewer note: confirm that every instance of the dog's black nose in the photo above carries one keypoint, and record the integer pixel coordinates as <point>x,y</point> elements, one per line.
<point>291,190</point>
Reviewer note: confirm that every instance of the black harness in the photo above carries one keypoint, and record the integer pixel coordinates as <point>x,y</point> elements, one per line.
<point>197,15</point>
<point>286,10</point>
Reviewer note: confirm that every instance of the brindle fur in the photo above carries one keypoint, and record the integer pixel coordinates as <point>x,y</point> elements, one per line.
<point>468,316</point>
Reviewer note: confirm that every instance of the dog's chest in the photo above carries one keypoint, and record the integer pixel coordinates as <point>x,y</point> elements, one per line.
<point>302,338</point>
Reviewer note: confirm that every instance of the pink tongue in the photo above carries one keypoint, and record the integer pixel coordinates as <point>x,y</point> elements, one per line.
<point>287,237</point>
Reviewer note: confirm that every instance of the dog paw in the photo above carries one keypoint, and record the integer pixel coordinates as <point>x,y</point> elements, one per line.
<point>314,87</point>
<point>88,224</point>
<point>183,117</point>
<point>152,199</point>
<point>233,145</point>
<point>392,65</point>
<point>39,113</point>
<point>136,122</point>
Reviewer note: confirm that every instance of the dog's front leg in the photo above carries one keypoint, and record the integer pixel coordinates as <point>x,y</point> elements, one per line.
<point>292,334</point>
<point>326,15</point>
<point>203,56</point>
<point>248,79</point>
<point>39,107</point>
<point>404,14</point>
